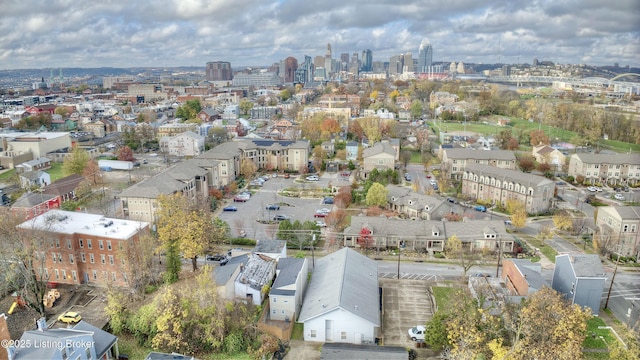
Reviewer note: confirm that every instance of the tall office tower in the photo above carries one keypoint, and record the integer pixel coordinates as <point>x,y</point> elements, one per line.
<point>452,67</point>
<point>318,61</point>
<point>308,69</point>
<point>407,63</point>
<point>395,65</point>
<point>367,60</point>
<point>219,70</point>
<point>290,67</point>
<point>425,56</point>
<point>344,57</point>
<point>328,61</point>
<point>460,68</point>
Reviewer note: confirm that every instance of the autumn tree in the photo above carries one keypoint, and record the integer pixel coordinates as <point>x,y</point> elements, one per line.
<point>337,219</point>
<point>416,109</point>
<point>92,173</point>
<point>454,250</point>
<point>526,163</point>
<point>23,257</point>
<point>545,233</point>
<point>365,239</point>
<point>247,167</point>
<point>125,154</point>
<point>518,213</point>
<point>538,137</point>
<point>562,220</point>
<point>218,135</point>
<point>245,106</point>
<point>631,351</point>
<point>138,261</point>
<point>189,110</point>
<point>371,127</point>
<point>343,198</point>
<point>377,195</point>
<point>329,126</point>
<point>405,157</point>
<point>75,162</point>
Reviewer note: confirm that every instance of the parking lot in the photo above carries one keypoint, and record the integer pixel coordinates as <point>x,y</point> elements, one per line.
<point>407,303</point>
<point>249,213</point>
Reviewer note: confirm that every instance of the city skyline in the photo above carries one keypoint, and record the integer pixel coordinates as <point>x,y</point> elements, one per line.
<point>169,33</point>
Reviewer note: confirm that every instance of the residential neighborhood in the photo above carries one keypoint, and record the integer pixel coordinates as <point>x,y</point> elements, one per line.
<point>320,209</point>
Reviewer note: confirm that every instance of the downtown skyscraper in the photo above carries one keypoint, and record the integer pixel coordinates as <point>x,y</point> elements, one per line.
<point>425,57</point>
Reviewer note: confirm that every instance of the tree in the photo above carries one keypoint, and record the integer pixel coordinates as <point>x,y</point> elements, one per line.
<point>549,327</point>
<point>416,109</point>
<point>245,107</point>
<point>62,111</point>
<point>337,219</point>
<point>285,95</point>
<point>248,168</point>
<point>518,213</point>
<point>629,352</point>
<point>545,233</point>
<point>92,173</point>
<point>538,137</point>
<point>189,110</point>
<point>138,260</point>
<point>329,126</point>
<point>218,135</point>
<point>377,195</point>
<point>502,140</point>
<point>526,163</point>
<point>454,250</point>
<point>365,239</point>
<point>405,156</point>
<point>125,154</point>
<point>562,220</point>
<point>75,162</point>
<point>23,259</point>
<point>343,199</point>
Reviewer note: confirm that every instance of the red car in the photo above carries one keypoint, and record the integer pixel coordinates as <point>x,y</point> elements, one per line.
<point>320,215</point>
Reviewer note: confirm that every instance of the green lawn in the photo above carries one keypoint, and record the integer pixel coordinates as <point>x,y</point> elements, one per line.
<point>595,335</point>
<point>56,171</point>
<point>547,250</point>
<point>7,175</point>
<point>298,331</point>
<point>442,295</point>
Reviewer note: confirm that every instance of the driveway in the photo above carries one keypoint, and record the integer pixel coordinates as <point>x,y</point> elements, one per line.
<point>406,303</point>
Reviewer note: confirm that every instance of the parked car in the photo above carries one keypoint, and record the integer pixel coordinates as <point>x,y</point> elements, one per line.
<point>274,175</point>
<point>280,217</point>
<point>287,176</point>
<point>312,178</point>
<point>508,222</point>
<point>480,208</point>
<point>328,200</point>
<point>407,177</point>
<point>70,317</point>
<point>592,188</point>
<point>452,200</point>
<point>320,214</point>
<point>241,198</point>
<point>618,197</point>
<point>230,208</point>
<point>216,257</point>
<point>273,207</point>
<point>321,223</point>
<point>224,261</point>
<point>482,275</point>
<point>417,333</point>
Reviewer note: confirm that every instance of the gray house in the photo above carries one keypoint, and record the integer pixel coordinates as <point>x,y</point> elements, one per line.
<point>287,292</point>
<point>581,278</point>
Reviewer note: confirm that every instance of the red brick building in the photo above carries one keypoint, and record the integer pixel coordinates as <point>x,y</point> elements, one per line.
<point>80,248</point>
<point>522,277</point>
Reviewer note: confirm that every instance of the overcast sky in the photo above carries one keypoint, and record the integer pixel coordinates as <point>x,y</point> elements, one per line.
<point>130,33</point>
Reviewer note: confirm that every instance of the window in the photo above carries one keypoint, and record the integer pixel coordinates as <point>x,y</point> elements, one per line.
<point>68,243</point>
<point>108,244</point>
<point>91,259</point>
<point>111,259</point>
<point>573,287</point>
<point>275,299</point>
<point>343,335</point>
<point>59,257</point>
<point>57,243</point>
<point>81,243</point>
<point>103,259</point>
<point>100,244</point>
<point>89,246</point>
<point>74,275</point>
<point>273,311</point>
<point>124,276</point>
<point>312,334</point>
<point>633,228</point>
<point>53,256</point>
<point>64,274</point>
<point>57,274</point>
<point>95,275</point>
<point>83,258</point>
<point>113,276</point>
<point>625,228</point>
<point>71,260</point>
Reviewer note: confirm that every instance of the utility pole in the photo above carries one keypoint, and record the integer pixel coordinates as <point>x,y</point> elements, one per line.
<point>499,255</point>
<point>606,304</point>
<point>313,258</point>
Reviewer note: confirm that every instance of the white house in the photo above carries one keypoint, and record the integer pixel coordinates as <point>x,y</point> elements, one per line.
<point>342,301</point>
<point>187,143</point>
<point>254,275</point>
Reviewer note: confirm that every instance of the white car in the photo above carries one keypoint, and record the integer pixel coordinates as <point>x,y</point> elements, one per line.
<point>321,224</point>
<point>312,178</point>
<point>618,197</point>
<point>417,333</point>
<point>592,188</point>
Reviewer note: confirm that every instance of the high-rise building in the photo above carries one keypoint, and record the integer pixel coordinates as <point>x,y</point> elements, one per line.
<point>219,71</point>
<point>425,56</point>
<point>290,67</point>
<point>367,60</point>
<point>396,65</point>
<point>407,63</point>
<point>328,61</point>
<point>304,73</point>
<point>344,57</point>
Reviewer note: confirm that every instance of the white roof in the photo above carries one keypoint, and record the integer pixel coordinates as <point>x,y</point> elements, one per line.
<point>69,222</point>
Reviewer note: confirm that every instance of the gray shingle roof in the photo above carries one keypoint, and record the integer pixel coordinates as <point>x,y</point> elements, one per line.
<point>464,153</point>
<point>289,270</point>
<point>586,265</point>
<point>103,341</point>
<point>628,212</point>
<point>378,148</point>
<point>222,274</point>
<point>382,226</point>
<point>508,175</point>
<point>166,183</point>
<point>269,246</point>
<point>532,272</point>
<point>29,200</point>
<point>343,280</point>
<point>590,158</point>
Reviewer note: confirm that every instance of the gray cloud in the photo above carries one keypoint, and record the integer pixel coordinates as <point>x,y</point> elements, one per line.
<point>125,33</point>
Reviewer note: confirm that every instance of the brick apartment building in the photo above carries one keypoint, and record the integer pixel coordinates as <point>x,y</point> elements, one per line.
<point>81,248</point>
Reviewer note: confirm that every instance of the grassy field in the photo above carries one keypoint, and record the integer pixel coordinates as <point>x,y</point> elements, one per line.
<point>547,250</point>
<point>598,338</point>
<point>552,132</point>
<point>7,175</point>
<point>298,331</point>
<point>56,171</point>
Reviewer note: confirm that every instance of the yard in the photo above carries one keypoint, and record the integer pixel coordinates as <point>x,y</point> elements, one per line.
<point>548,251</point>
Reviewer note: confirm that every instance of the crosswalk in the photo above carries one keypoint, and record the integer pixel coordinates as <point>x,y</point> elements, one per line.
<point>388,275</point>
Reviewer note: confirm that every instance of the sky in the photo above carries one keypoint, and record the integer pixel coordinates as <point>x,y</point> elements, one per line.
<point>168,33</point>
